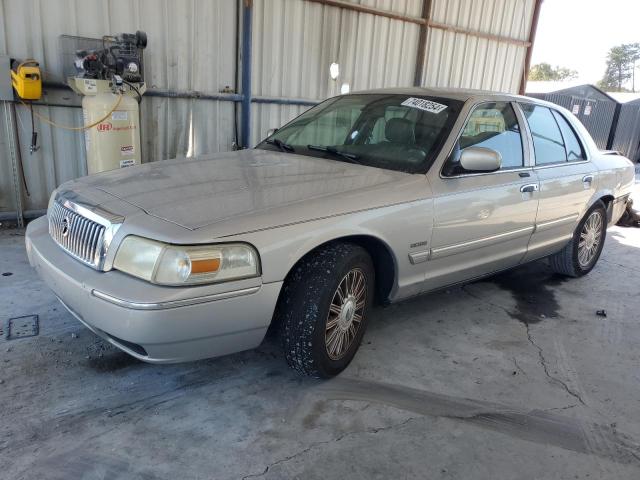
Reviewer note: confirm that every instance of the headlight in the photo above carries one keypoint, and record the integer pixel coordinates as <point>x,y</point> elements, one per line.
<point>166,264</point>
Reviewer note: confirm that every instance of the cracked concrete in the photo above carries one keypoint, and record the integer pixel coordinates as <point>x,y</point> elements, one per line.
<point>543,364</point>
<point>512,377</point>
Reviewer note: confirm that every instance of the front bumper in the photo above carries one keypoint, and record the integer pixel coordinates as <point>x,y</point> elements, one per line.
<point>154,323</point>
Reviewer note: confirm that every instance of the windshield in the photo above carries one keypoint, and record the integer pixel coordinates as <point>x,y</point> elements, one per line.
<point>396,132</point>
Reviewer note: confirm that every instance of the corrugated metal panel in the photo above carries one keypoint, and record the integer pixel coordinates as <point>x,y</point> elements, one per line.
<point>372,52</point>
<point>627,136</point>
<point>191,47</point>
<point>466,61</point>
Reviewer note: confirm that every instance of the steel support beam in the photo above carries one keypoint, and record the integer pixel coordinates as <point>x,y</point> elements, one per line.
<point>420,21</point>
<point>245,116</point>
<point>532,39</point>
<point>421,55</point>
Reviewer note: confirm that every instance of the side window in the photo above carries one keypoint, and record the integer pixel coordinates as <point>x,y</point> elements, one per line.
<point>494,125</point>
<point>572,145</point>
<point>547,139</point>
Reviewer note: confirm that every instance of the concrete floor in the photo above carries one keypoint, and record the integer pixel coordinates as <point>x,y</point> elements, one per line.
<point>512,377</point>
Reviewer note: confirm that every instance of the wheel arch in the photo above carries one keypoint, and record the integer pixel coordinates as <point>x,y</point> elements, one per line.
<point>384,261</point>
<point>606,197</point>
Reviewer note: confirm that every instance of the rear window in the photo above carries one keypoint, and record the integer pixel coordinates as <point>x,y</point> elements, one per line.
<point>572,145</point>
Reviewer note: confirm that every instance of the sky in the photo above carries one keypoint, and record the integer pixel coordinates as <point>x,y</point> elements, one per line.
<point>578,34</point>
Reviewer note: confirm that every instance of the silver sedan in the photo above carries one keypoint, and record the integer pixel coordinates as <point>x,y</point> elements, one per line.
<point>370,197</point>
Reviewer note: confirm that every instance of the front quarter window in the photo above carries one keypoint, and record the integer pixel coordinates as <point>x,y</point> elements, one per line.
<point>395,132</point>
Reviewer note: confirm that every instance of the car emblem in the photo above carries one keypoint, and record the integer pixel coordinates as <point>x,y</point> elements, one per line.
<point>66,223</point>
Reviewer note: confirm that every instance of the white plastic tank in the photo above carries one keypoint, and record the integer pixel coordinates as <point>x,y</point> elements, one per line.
<point>114,142</point>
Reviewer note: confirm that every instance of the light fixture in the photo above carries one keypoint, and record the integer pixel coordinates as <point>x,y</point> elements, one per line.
<point>345,88</point>
<point>334,70</point>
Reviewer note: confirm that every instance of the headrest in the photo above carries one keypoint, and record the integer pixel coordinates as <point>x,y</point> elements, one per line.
<point>399,130</point>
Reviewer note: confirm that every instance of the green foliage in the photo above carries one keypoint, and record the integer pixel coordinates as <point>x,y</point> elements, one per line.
<point>620,64</point>
<point>546,72</point>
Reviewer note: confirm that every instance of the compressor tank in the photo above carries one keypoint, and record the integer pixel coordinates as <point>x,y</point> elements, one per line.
<point>115,141</point>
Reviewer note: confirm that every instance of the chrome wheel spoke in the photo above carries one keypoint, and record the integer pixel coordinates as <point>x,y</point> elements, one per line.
<point>345,313</point>
<point>590,239</point>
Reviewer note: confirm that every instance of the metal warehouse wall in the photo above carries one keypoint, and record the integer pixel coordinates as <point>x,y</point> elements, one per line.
<point>193,49</point>
<point>456,59</point>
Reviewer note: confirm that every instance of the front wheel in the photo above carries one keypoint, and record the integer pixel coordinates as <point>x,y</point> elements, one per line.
<point>324,307</point>
<point>583,251</point>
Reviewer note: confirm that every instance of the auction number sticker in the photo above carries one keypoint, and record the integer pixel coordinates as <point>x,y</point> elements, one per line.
<point>422,104</point>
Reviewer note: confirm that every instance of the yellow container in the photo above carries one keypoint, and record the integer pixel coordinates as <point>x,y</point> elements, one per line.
<point>27,80</point>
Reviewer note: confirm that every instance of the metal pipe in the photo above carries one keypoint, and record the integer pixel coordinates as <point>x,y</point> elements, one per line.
<point>10,126</point>
<point>532,39</point>
<point>421,55</point>
<point>27,214</point>
<point>194,94</point>
<point>285,101</point>
<point>245,119</point>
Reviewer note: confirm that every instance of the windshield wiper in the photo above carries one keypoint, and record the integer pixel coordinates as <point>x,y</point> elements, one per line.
<point>334,151</point>
<point>284,147</point>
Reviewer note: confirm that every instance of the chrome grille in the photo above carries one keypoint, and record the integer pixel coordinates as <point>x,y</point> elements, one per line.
<point>79,236</point>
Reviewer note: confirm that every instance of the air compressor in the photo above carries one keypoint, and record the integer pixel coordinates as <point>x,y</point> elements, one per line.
<point>111,81</point>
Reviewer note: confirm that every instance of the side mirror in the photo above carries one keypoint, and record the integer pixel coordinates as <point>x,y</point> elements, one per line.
<point>480,159</point>
<point>271,131</point>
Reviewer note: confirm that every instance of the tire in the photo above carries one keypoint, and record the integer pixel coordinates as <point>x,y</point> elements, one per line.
<point>570,261</point>
<point>305,311</point>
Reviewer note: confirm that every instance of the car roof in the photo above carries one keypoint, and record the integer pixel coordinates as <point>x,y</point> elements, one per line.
<point>462,94</point>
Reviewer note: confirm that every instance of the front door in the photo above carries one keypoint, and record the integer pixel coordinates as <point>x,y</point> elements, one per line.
<point>483,221</point>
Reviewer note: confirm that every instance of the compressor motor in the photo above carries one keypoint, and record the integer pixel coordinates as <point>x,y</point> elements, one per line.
<point>120,55</point>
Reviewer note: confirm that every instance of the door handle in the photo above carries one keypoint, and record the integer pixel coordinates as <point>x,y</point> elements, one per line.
<point>529,188</point>
<point>587,179</point>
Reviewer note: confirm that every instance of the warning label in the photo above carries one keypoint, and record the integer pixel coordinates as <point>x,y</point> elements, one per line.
<point>129,162</point>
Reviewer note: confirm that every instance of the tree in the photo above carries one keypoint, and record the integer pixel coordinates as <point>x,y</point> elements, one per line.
<point>546,72</point>
<point>621,61</point>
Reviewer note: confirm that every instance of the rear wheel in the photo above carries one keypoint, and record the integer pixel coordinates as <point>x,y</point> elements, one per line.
<point>583,251</point>
<point>324,307</point>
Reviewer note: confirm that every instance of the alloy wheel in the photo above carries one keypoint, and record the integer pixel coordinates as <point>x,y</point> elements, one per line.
<point>590,238</point>
<point>345,313</point>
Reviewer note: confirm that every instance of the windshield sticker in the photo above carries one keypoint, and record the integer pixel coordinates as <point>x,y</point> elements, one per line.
<point>422,104</point>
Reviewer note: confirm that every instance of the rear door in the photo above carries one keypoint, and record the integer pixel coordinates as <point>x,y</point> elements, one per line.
<point>483,221</point>
<point>567,178</point>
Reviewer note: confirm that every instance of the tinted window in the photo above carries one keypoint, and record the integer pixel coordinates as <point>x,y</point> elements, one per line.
<point>494,125</point>
<point>571,142</point>
<point>547,140</point>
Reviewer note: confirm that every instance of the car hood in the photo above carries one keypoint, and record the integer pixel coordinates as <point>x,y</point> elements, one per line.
<point>250,190</point>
